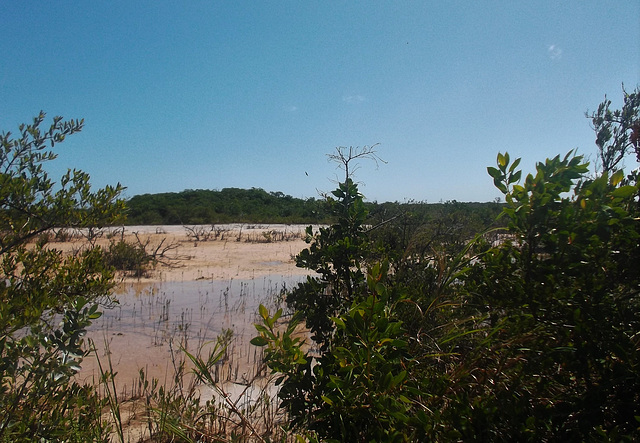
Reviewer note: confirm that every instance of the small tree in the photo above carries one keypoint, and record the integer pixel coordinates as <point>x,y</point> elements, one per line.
<point>47,300</point>
<point>356,389</point>
<point>335,252</point>
<point>618,131</point>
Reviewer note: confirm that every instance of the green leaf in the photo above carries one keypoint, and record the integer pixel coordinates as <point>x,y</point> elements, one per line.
<point>515,177</point>
<point>493,172</point>
<point>501,186</point>
<point>617,178</point>
<point>386,382</point>
<point>261,329</point>
<point>502,160</point>
<point>399,378</point>
<point>259,341</point>
<point>264,312</point>
<point>327,400</point>
<point>624,191</point>
<point>339,322</point>
<point>514,165</point>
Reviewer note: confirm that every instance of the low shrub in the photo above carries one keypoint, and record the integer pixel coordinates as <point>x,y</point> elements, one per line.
<point>127,257</point>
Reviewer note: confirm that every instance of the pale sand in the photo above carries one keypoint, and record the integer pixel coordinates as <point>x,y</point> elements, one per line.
<point>241,254</point>
<point>240,251</point>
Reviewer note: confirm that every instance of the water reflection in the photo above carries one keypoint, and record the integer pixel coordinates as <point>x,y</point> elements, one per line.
<point>153,321</point>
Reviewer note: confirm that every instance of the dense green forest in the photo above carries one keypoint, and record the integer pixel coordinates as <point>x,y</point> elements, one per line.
<point>225,206</point>
<point>233,205</point>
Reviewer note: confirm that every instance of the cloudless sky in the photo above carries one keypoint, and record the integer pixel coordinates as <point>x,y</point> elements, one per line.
<point>213,94</point>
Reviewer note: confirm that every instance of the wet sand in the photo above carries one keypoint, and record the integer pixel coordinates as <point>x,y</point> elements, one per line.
<point>198,291</point>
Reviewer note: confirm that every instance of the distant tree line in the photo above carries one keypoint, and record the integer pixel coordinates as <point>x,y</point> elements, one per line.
<point>255,205</point>
<point>228,205</point>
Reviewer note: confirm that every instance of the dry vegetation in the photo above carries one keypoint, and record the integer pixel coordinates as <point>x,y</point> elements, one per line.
<point>183,253</point>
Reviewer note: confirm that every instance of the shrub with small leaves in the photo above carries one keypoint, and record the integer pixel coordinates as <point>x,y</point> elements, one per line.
<point>47,300</point>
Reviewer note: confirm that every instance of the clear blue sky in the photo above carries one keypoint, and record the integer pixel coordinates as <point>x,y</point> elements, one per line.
<point>212,94</point>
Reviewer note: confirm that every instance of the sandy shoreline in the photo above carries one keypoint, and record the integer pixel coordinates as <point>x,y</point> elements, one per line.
<point>240,251</point>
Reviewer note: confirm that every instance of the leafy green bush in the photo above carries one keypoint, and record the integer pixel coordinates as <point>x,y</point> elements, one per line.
<point>336,253</point>
<point>532,335</point>
<point>47,301</point>
<point>357,389</point>
<point>128,257</point>
<point>561,359</point>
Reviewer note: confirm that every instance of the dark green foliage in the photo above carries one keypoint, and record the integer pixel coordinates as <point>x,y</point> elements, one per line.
<point>524,330</point>
<point>414,230</point>
<point>127,257</point>
<point>230,205</point>
<point>46,300</point>
<point>561,359</point>
<point>357,390</point>
<point>364,382</point>
<point>336,253</point>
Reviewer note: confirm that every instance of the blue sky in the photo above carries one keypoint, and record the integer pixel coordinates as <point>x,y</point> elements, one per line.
<point>212,94</point>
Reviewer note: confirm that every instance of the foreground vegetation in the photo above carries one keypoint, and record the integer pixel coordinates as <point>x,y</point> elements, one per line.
<point>455,327</point>
<point>531,336</point>
<point>47,300</point>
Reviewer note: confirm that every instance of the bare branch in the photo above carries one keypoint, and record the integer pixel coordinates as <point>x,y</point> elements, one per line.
<point>345,156</point>
<point>159,253</point>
